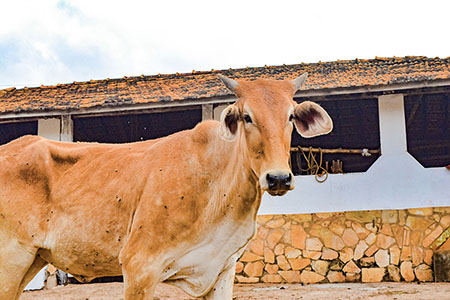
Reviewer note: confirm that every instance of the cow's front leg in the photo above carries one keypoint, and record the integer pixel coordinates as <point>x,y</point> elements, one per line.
<point>223,288</point>
<point>141,272</point>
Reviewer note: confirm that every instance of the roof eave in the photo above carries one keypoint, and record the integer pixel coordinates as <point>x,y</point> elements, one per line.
<point>394,87</point>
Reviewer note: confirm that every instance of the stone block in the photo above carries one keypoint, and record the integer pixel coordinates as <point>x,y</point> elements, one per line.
<point>262,219</point>
<point>335,277</point>
<point>313,244</point>
<point>363,216</point>
<point>320,266</point>
<point>406,254</point>
<point>397,231</point>
<point>257,247</point>
<point>290,276</point>
<point>254,269</point>
<point>274,237</point>
<point>262,233</point>
<point>329,254</point>
<point>445,221</point>
<point>290,252</point>
<point>351,267</point>
<point>250,257</point>
<point>418,223</point>
<point>421,211</point>
<point>298,236</point>
<point>384,241</point>
<point>386,229</point>
<point>337,226</point>
<point>271,269</point>
<point>372,274</point>
<point>308,277</point>
<point>330,239</point>
<point>389,216</point>
<point>239,267</point>
<point>311,254</point>
<point>243,279</point>
<point>283,262</point>
<point>300,218</point>
<point>423,273</point>
<point>428,258</point>
<point>371,250</point>
<point>271,278</point>
<point>279,249</point>
<point>394,273</point>
<point>432,236</point>
<point>360,248</point>
<point>346,254</point>
<point>299,263</point>
<point>371,238</point>
<point>406,270</point>
<point>395,255</point>
<point>276,223</point>
<point>382,258</point>
<point>269,256</point>
<point>442,210</point>
<point>352,277</point>
<point>360,230</point>
<point>417,255</point>
<point>349,237</point>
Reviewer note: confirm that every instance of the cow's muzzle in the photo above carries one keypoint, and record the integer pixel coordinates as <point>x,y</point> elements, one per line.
<point>278,183</point>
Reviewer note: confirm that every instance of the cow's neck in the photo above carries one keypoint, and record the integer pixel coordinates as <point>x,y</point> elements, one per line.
<point>238,193</point>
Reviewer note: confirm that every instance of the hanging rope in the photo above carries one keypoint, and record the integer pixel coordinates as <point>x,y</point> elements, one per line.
<point>314,167</point>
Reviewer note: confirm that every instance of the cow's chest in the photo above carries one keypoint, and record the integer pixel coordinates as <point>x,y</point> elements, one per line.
<point>197,268</point>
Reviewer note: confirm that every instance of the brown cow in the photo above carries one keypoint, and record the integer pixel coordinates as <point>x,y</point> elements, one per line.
<point>179,209</point>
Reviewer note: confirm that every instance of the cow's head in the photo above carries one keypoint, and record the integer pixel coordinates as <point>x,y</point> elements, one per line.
<point>262,120</point>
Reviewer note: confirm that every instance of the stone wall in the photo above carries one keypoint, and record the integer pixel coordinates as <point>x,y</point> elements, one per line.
<point>367,246</point>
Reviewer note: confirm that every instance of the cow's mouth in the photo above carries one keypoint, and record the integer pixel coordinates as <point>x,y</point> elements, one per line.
<point>277,193</point>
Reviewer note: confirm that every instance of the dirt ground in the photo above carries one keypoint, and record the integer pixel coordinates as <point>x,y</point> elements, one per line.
<point>342,291</point>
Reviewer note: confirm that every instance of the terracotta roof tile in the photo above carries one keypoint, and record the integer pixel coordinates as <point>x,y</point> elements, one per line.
<point>201,85</point>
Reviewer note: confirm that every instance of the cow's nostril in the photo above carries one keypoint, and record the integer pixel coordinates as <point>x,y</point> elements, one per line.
<point>279,182</point>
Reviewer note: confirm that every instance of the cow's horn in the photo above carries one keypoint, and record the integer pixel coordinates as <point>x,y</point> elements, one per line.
<point>231,84</point>
<point>299,81</point>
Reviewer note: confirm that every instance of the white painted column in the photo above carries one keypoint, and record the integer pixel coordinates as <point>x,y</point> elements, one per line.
<point>66,128</point>
<point>50,128</point>
<point>392,124</point>
<point>207,112</point>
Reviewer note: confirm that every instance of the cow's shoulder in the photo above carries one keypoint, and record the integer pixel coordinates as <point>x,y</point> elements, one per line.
<point>204,132</point>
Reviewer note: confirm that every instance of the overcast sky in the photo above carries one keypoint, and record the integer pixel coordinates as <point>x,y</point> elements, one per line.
<point>60,41</point>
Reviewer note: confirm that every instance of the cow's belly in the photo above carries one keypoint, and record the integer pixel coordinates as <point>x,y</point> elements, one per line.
<point>197,269</point>
<point>85,252</point>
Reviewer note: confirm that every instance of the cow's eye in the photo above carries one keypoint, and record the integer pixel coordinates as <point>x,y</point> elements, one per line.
<point>247,119</point>
<point>291,118</point>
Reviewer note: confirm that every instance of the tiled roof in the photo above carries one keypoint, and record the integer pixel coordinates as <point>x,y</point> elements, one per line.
<point>201,85</point>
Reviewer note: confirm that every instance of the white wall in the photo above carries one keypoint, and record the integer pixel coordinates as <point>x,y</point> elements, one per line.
<point>395,181</point>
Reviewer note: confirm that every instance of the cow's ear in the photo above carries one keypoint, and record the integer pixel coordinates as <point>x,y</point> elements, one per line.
<point>229,123</point>
<point>311,119</point>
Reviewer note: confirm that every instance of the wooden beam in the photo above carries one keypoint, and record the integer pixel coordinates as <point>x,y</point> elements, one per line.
<point>413,112</point>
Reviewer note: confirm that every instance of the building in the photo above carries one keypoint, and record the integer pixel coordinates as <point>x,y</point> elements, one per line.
<point>383,208</point>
